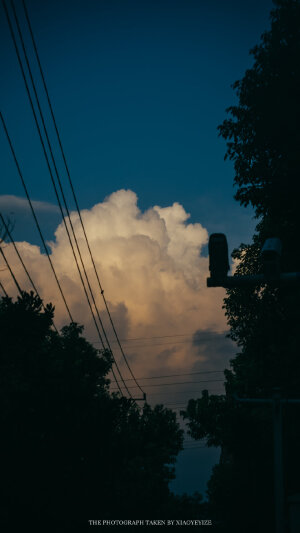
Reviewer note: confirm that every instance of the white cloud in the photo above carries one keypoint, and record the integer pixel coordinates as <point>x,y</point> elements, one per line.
<point>9,202</point>
<point>151,268</point>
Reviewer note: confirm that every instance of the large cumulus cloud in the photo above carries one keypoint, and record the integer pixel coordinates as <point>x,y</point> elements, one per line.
<point>154,276</point>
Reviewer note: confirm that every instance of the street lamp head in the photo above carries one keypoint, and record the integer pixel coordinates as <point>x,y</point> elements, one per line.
<point>218,256</point>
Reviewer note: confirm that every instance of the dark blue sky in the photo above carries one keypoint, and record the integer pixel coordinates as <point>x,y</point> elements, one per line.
<point>138,90</point>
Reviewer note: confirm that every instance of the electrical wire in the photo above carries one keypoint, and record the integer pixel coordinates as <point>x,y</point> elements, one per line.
<point>55,167</point>
<point>158,344</point>
<point>10,270</point>
<point>167,336</point>
<point>134,346</point>
<point>192,335</point>
<point>3,289</point>
<point>181,392</point>
<point>46,133</point>
<point>35,217</point>
<point>65,203</point>
<point>179,383</point>
<point>46,156</point>
<point>22,262</point>
<point>179,405</point>
<point>75,198</point>
<point>178,375</point>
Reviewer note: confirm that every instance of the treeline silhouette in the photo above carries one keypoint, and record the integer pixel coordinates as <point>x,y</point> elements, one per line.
<point>71,451</point>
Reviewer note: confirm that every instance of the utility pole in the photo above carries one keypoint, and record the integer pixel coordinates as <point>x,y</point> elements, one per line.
<point>278,463</point>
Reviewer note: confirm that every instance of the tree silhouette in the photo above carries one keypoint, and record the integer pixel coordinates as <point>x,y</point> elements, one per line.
<point>71,451</point>
<point>263,139</point>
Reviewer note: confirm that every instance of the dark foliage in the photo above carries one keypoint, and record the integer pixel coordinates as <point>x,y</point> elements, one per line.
<point>70,451</point>
<point>263,139</point>
<point>263,131</point>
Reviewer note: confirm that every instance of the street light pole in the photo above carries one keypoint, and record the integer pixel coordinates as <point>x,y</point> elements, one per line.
<point>278,463</point>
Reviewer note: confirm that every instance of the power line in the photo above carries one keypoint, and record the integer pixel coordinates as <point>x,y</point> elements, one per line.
<point>180,404</point>
<point>178,375</point>
<point>158,344</point>
<point>162,336</point>
<point>169,406</point>
<point>53,161</point>
<point>17,252</point>
<point>182,392</point>
<point>65,203</point>
<point>46,156</point>
<point>178,383</point>
<point>34,216</point>
<point>200,335</point>
<point>150,345</point>
<point>3,289</point>
<point>75,198</point>
<point>44,127</point>
<point>22,262</point>
<point>11,272</point>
